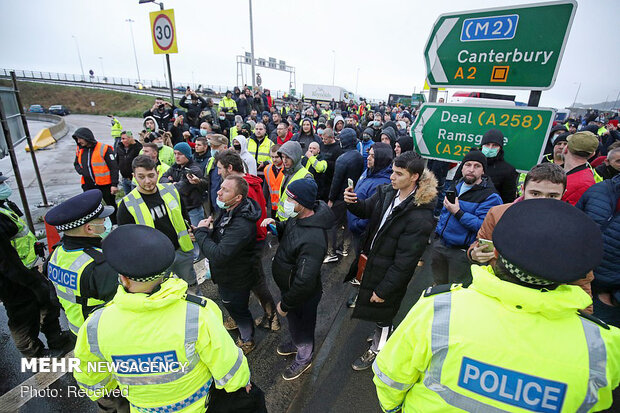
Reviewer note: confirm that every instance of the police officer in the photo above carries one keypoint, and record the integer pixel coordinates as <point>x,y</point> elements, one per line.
<point>76,268</point>
<point>515,339</point>
<point>24,292</point>
<point>152,318</point>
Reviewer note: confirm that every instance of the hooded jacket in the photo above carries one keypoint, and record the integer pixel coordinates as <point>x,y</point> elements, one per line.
<point>297,264</point>
<point>364,146</point>
<point>337,119</point>
<point>248,160</point>
<point>405,143</point>
<point>162,116</point>
<point>86,170</point>
<point>305,139</point>
<point>601,202</point>
<point>398,245</point>
<point>154,120</point>
<point>349,165</point>
<point>126,155</point>
<point>391,133</point>
<point>459,231</point>
<point>369,181</point>
<point>292,150</point>
<point>230,246</point>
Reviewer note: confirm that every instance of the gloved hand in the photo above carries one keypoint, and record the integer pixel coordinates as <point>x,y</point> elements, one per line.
<point>41,291</point>
<point>39,249</point>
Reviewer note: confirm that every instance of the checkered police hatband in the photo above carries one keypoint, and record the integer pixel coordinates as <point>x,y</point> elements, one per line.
<point>151,278</point>
<point>81,221</point>
<point>522,275</point>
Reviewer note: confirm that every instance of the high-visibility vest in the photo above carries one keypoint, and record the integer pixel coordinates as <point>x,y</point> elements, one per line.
<point>64,270</point>
<point>140,212</point>
<point>116,129</point>
<point>23,241</point>
<point>161,169</point>
<point>274,183</point>
<point>488,348</point>
<point>210,165</point>
<point>260,152</point>
<point>166,155</point>
<point>168,350</point>
<point>227,103</point>
<point>300,174</point>
<point>314,163</point>
<point>100,168</point>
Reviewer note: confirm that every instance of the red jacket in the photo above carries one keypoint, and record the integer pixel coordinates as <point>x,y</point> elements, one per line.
<point>287,138</point>
<point>578,180</point>
<point>255,192</point>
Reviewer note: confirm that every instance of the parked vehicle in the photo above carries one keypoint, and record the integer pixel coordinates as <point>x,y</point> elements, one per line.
<point>36,109</point>
<point>140,86</point>
<point>59,110</point>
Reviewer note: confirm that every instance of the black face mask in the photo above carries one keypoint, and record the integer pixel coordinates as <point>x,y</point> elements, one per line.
<point>237,147</point>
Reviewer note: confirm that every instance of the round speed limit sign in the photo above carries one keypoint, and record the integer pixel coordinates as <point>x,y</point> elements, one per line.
<point>163,32</point>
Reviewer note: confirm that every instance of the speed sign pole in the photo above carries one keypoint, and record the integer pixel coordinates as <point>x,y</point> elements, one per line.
<point>164,38</point>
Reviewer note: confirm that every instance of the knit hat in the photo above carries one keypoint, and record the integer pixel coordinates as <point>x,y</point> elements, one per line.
<point>493,136</point>
<point>477,156</point>
<point>562,137</point>
<point>303,191</point>
<point>184,148</point>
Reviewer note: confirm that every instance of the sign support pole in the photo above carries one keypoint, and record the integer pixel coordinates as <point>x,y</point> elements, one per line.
<point>45,202</point>
<point>161,7</point>
<point>18,175</point>
<point>432,94</point>
<point>534,98</point>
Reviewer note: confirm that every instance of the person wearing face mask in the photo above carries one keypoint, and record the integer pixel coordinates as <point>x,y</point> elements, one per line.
<point>290,153</point>
<point>228,242</point>
<point>296,270</point>
<point>165,152</point>
<point>503,175</point>
<point>82,278</point>
<point>217,143</point>
<point>97,166</point>
<point>240,144</point>
<point>365,144</point>
<point>24,292</point>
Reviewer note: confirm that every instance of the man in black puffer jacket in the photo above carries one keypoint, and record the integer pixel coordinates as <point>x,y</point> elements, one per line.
<point>401,220</point>
<point>296,269</point>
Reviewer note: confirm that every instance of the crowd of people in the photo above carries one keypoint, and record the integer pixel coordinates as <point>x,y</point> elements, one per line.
<point>202,187</point>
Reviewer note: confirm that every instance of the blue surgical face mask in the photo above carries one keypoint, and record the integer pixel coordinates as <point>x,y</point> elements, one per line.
<point>203,132</point>
<point>5,191</point>
<point>490,152</point>
<point>289,209</point>
<point>107,225</point>
<point>221,204</point>
<point>214,152</point>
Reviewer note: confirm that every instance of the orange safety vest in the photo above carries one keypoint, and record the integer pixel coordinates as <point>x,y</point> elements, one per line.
<point>274,183</point>
<point>100,168</point>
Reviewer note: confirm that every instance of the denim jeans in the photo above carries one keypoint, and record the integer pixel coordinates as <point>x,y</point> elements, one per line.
<point>301,325</point>
<point>236,302</point>
<point>127,185</point>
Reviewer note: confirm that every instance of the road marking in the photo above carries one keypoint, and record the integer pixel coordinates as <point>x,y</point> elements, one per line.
<point>12,400</point>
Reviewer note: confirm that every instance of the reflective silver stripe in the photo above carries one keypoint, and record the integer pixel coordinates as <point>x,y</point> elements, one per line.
<point>132,201</point>
<point>92,333</point>
<point>191,328</point>
<point>597,355</point>
<point>102,150</point>
<point>74,329</point>
<point>99,164</point>
<point>316,161</point>
<point>199,394</point>
<point>272,192</point>
<point>68,295</point>
<point>388,381</point>
<point>168,189</point>
<point>79,262</point>
<point>103,174</point>
<point>161,378</point>
<point>182,234</point>
<point>440,336</point>
<point>222,382</point>
<point>22,233</point>
<point>97,386</point>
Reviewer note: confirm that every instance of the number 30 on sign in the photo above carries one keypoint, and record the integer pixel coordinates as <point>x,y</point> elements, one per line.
<point>163,32</point>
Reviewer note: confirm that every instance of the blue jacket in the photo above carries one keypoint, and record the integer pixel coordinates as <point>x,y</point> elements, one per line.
<point>460,230</point>
<point>365,188</point>
<point>363,147</point>
<point>600,202</point>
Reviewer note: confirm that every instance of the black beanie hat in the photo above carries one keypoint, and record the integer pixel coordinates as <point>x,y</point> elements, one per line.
<point>493,136</point>
<point>478,156</point>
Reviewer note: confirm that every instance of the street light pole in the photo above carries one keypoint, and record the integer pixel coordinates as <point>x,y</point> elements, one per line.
<point>252,45</point>
<point>79,56</point>
<point>334,70</point>
<point>130,21</point>
<point>576,94</point>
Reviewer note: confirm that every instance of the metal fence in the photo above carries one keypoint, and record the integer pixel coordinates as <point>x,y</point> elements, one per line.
<point>114,81</point>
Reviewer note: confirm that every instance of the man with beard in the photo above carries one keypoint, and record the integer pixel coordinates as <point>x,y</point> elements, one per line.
<point>460,221</point>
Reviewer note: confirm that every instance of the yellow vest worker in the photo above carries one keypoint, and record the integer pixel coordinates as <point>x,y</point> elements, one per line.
<point>117,128</point>
<point>152,318</point>
<point>227,104</point>
<point>81,277</point>
<point>161,169</point>
<point>290,152</point>
<point>260,150</point>
<point>24,240</point>
<point>514,339</point>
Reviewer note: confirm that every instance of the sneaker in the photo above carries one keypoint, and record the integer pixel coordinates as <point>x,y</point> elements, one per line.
<point>246,346</point>
<point>355,281</point>
<point>275,323</point>
<point>230,324</point>
<point>64,341</point>
<point>295,370</point>
<point>364,361</point>
<point>286,349</point>
<point>351,301</point>
<point>370,337</point>
<point>262,322</point>
<point>330,258</point>
<point>344,252</point>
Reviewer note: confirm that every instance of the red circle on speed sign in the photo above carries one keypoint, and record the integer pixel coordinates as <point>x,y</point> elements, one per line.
<point>163,32</point>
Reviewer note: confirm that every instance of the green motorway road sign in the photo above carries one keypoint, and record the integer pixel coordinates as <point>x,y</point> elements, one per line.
<point>516,47</point>
<point>447,132</point>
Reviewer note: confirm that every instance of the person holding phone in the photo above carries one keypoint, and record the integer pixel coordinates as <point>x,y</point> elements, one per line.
<point>464,208</point>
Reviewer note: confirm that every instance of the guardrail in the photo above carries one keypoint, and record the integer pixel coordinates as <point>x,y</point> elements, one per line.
<point>116,81</point>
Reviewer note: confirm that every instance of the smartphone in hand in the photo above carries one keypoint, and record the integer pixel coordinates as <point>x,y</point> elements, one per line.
<point>350,182</point>
<point>486,244</point>
<point>451,196</point>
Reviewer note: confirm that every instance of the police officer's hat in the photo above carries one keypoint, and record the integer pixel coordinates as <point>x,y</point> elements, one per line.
<point>79,210</point>
<point>138,252</point>
<point>523,235</point>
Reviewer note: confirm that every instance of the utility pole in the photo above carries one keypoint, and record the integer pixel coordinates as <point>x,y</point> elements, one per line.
<point>334,69</point>
<point>130,21</point>
<point>252,46</point>
<point>79,57</point>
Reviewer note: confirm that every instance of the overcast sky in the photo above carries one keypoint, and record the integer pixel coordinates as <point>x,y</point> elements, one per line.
<point>384,39</point>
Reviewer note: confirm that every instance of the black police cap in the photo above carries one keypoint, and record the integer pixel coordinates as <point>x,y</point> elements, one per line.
<point>79,210</point>
<point>523,235</point>
<point>138,252</point>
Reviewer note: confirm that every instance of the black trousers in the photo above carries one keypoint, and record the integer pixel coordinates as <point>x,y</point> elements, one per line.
<point>108,198</point>
<point>27,318</point>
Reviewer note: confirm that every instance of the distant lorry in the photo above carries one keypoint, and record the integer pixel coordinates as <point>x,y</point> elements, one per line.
<point>326,93</point>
